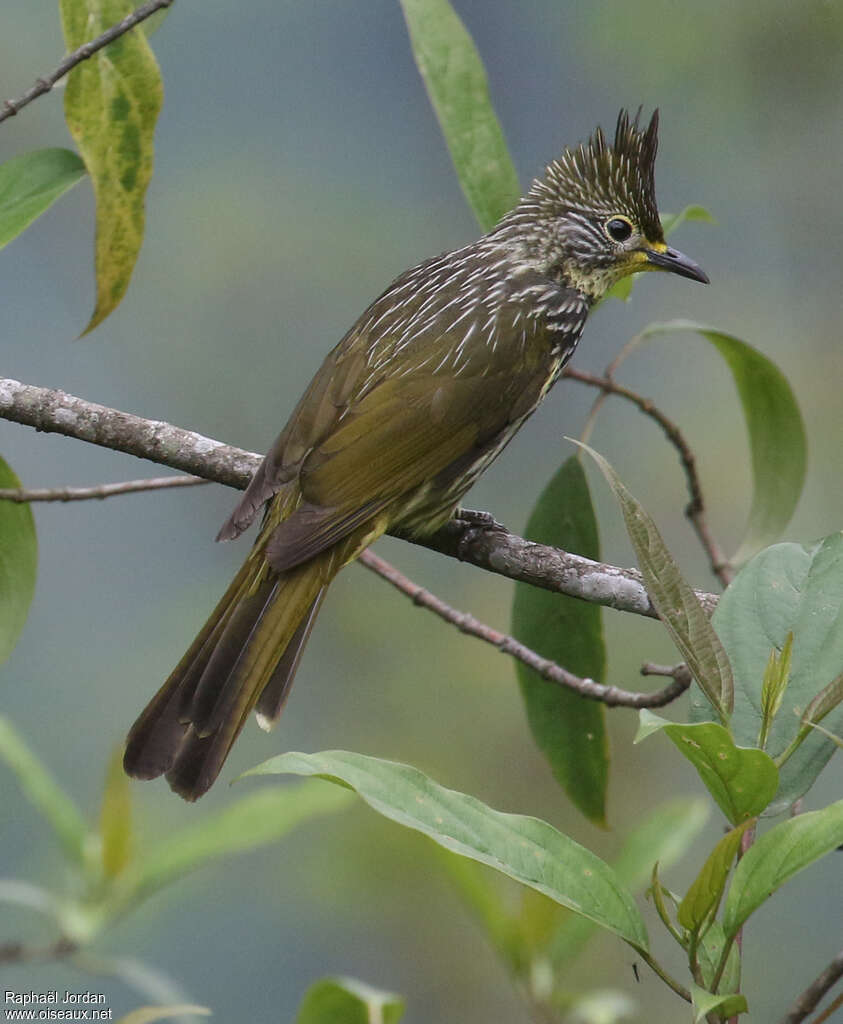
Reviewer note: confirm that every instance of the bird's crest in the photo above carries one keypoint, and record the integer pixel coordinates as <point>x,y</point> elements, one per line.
<point>599,176</point>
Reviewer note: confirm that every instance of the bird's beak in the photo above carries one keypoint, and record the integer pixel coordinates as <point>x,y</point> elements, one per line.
<point>677,263</point>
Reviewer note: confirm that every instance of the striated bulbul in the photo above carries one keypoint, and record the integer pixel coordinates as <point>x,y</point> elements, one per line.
<point>424,391</point>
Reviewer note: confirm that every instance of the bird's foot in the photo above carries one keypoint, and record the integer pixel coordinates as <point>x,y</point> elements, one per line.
<point>472,525</point>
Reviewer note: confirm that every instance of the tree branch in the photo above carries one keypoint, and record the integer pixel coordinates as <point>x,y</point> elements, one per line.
<point>59,413</point>
<point>810,998</point>
<point>83,53</point>
<point>466,623</point>
<point>493,549</point>
<point>23,496</point>
<point>695,510</point>
<point>522,560</point>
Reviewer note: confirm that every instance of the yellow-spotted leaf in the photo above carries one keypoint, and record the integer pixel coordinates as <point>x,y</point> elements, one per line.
<point>663,838</point>
<point>112,102</point>
<point>527,849</point>
<point>459,91</point>
<point>742,780</point>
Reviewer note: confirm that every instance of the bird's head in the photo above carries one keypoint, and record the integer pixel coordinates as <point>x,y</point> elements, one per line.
<point>592,218</point>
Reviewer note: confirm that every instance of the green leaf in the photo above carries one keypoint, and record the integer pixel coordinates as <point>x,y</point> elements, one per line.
<point>676,603</point>
<point>672,221</point>
<point>776,857</point>
<point>711,1002</point>
<point>703,897</point>
<point>620,289</point>
<point>252,821</point>
<point>480,890</point>
<point>346,1001</point>
<point>663,837</point>
<point>836,740</point>
<point>661,897</point>
<point>18,563</point>
<point>43,792</point>
<point>459,91</point>
<point>151,24</point>
<point>710,953</point>
<point>526,849</point>
<point>742,780</point>
<point>30,184</point>
<point>116,818</point>
<point>824,703</point>
<point>111,104</point>
<point>776,433</point>
<point>570,730</point>
<point>787,588</point>
<point>773,685</point>
<point>543,930</point>
<point>150,1014</point>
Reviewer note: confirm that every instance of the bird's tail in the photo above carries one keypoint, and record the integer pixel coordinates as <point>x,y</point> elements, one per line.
<point>243,659</point>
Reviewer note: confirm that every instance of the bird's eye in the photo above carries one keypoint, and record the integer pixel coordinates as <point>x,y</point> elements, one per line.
<point>618,229</point>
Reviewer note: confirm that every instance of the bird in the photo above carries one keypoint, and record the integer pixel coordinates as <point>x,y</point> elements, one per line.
<point>414,403</point>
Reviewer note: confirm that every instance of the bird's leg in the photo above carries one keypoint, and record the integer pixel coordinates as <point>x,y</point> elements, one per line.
<point>472,524</point>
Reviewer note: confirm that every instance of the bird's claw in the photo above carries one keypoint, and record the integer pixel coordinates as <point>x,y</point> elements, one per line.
<point>472,524</point>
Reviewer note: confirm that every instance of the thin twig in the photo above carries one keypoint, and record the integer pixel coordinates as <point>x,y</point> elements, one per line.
<point>9,108</point>
<point>672,671</point>
<point>18,953</point>
<point>100,491</point>
<point>829,1010</point>
<point>495,550</point>
<point>695,510</point>
<point>549,670</point>
<point>808,1000</point>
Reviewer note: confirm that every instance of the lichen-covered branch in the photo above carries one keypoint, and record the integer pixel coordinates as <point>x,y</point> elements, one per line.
<point>494,549</point>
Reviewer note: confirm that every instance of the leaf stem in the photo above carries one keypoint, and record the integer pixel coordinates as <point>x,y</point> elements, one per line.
<point>721,965</point>
<point>678,988</point>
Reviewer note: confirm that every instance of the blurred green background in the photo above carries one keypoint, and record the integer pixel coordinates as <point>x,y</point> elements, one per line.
<point>299,168</point>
